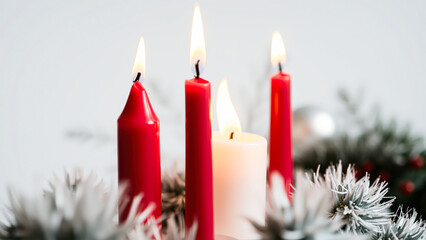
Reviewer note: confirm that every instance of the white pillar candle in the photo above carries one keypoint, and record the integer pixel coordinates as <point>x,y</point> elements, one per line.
<point>239,174</point>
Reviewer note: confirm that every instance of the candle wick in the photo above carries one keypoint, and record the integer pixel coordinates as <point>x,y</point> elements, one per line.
<point>231,136</point>
<point>197,70</point>
<point>137,77</point>
<point>280,67</point>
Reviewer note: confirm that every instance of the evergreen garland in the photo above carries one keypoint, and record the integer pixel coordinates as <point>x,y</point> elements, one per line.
<point>334,205</point>
<point>382,149</point>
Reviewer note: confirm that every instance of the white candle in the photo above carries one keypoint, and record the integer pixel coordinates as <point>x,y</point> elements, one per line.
<point>239,173</point>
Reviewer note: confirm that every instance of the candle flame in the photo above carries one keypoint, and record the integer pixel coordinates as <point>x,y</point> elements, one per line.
<point>229,123</point>
<point>198,48</point>
<point>139,66</point>
<point>278,54</point>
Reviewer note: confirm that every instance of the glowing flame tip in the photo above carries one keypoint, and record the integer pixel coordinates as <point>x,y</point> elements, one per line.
<point>139,66</point>
<point>278,54</point>
<point>198,48</point>
<point>228,121</point>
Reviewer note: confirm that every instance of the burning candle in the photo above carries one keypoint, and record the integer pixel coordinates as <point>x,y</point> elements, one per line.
<point>280,156</point>
<point>139,144</point>
<point>198,162</point>
<point>239,173</point>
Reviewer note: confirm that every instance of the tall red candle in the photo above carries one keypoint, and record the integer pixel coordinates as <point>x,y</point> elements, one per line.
<point>139,145</point>
<point>280,156</point>
<point>198,162</point>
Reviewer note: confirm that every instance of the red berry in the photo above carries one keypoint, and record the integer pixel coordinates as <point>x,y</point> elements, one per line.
<point>384,176</point>
<point>417,162</point>
<point>407,187</point>
<point>368,167</point>
<point>359,173</point>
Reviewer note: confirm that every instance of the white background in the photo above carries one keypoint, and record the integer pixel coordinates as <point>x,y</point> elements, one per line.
<point>65,70</point>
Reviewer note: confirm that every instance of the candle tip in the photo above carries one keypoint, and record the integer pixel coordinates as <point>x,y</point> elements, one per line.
<point>228,121</point>
<point>198,49</point>
<point>231,136</point>
<point>197,69</point>
<point>138,73</point>
<point>138,76</point>
<point>278,53</point>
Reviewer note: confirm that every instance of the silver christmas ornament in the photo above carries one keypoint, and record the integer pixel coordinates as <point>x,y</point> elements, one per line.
<point>311,124</point>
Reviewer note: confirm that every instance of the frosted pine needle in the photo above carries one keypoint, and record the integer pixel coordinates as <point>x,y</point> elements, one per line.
<point>173,199</point>
<point>404,227</point>
<point>79,207</point>
<point>305,217</point>
<point>174,233</point>
<point>363,206</point>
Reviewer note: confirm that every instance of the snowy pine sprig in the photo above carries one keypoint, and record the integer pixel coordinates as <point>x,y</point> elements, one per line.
<point>171,233</point>
<point>173,199</point>
<point>305,216</point>
<point>76,207</point>
<point>362,205</point>
<point>405,226</point>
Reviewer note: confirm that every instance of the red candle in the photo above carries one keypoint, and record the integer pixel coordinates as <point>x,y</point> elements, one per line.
<point>280,156</point>
<point>139,144</point>
<point>198,163</point>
